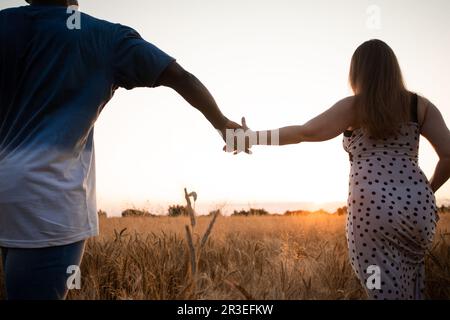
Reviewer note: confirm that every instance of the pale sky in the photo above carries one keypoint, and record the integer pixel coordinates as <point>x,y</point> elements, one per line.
<point>277,63</point>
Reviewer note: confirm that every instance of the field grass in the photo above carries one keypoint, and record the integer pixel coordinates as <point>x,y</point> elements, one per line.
<point>268,257</point>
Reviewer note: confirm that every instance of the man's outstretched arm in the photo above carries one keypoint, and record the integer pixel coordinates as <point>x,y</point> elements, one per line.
<point>196,94</point>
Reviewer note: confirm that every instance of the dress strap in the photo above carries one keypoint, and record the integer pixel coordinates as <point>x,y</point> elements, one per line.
<point>414,107</point>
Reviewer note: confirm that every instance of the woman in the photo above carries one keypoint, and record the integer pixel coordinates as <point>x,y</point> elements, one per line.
<point>392,213</point>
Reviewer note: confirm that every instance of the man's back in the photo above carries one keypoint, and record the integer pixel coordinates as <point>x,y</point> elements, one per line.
<point>42,63</point>
<point>54,82</point>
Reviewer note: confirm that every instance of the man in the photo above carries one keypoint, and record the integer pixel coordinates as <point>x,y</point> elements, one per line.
<point>54,82</point>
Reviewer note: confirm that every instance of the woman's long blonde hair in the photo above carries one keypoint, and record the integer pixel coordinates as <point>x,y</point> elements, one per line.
<point>381,98</point>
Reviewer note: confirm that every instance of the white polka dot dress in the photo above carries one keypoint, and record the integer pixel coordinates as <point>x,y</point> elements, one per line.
<point>392,212</point>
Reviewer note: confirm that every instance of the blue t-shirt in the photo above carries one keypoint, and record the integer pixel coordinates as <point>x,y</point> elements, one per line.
<point>54,82</point>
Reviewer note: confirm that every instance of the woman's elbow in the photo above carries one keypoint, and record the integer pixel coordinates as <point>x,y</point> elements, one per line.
<point>445,156</point>
<point>443,149</point>
<point>444,152</point>
<point>294,135</point>
<point>310,135</point>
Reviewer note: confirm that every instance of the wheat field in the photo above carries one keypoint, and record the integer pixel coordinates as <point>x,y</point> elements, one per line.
<point>266,257</point>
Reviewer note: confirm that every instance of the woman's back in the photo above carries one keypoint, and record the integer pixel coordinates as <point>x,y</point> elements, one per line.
<point>361,145</point>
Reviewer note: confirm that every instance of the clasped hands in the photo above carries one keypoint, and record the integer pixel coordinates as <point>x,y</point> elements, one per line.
<point>238,137</point>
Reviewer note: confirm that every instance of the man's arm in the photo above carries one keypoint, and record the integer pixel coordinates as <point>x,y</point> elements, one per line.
<point>196,94</point>
<point>138,63</point>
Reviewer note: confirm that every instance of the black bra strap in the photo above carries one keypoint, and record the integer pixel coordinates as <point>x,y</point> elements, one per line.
<point>414,107</point>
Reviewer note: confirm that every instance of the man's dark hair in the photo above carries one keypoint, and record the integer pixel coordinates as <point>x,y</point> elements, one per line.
<point>60,2</point>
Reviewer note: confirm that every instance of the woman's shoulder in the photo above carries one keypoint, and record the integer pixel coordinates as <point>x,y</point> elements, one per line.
<point>423,106</point>
<point>348,104</point>
<point>349,101</point>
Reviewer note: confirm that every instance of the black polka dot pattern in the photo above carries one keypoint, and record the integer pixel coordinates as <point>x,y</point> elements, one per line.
<point>392,212</point>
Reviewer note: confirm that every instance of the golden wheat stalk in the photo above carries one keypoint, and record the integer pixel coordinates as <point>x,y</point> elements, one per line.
<point>192,253</point>
<point>209,230</point>
<point>240,289</point>
<point>189,205</point>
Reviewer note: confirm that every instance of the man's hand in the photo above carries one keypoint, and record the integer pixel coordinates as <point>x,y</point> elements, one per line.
<point>239,139</point>
<point>228,125</point>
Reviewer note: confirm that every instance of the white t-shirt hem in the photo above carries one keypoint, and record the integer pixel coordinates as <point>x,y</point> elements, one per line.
<point>36,244</point>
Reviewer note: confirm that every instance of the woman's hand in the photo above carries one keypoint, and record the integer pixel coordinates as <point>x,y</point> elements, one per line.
<point>239,139</point>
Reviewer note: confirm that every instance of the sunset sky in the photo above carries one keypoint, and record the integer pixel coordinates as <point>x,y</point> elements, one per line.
<point>277,63</point>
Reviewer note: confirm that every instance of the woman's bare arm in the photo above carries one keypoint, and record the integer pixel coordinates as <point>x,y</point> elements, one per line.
<point>326,126</point>
<point>436,132</point>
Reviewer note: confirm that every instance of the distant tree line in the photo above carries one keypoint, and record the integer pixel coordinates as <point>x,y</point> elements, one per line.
<point>102,214</point>
<point>340,212</point>
<point>177,211</point>
<point>251,212</point>
<point>173,212</point>
<point>137,213</point>
<point>180,211</point>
